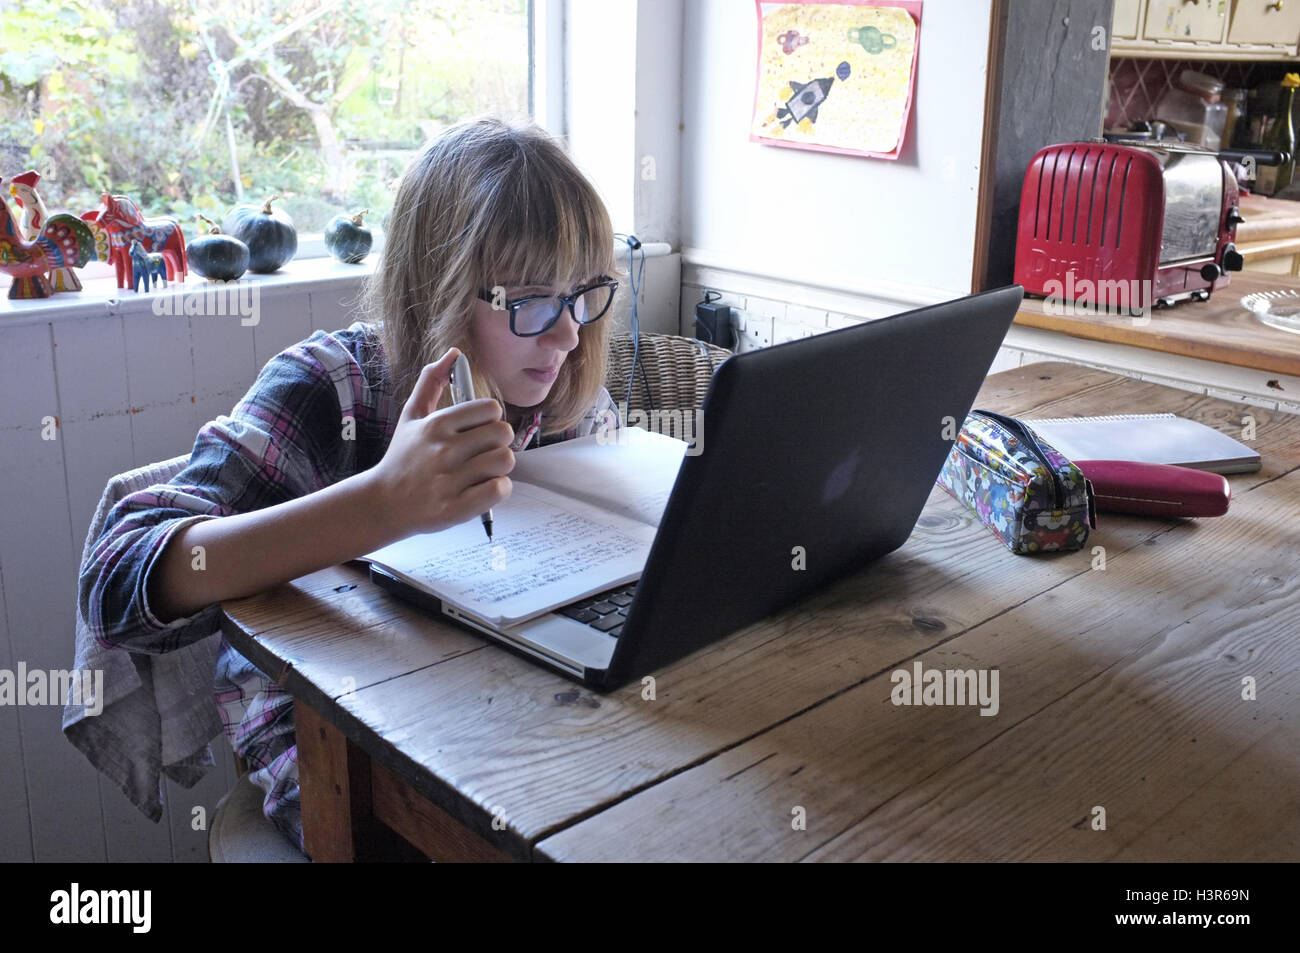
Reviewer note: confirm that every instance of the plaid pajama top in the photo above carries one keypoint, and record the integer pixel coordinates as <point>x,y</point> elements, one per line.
<point>285,439</point>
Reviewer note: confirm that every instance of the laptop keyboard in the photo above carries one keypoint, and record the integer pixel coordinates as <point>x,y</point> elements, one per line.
<point>605,612</point>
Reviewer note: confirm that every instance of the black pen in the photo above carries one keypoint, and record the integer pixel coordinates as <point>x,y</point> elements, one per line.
<point>462,389</point>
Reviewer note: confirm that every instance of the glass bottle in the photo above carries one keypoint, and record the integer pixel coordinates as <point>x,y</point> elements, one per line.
<point>1280,138</point>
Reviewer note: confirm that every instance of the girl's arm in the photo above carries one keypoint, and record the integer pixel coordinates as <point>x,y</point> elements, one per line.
<point>441,468</point>
<point>233,556</point>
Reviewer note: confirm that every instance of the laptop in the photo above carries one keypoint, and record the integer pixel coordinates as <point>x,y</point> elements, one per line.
<point>818,457</point>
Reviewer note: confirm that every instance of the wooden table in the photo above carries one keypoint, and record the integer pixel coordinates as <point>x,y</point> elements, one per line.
<point>1119,688</point>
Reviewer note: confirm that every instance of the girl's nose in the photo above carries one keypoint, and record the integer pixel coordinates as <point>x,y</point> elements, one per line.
<point>563,335</point>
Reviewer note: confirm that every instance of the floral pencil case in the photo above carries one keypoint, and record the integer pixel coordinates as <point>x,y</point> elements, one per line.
<point>1020,487</point>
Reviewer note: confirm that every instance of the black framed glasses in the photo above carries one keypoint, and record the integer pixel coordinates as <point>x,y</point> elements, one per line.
<point>532,315</point>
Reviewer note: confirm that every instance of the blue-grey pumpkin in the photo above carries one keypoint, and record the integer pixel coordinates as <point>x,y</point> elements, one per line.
<point>217,256</point>
<point>347,239</point>
<point>269,234</point>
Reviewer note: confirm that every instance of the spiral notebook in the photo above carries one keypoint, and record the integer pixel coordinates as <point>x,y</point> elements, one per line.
<point>1147,438</point>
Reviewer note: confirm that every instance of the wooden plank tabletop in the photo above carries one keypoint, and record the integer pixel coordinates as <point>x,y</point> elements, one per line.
<point>1216,330</point>
<point>1120,688</point>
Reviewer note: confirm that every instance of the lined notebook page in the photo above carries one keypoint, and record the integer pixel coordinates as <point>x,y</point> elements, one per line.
<point>1146,438</point>
<point>547,551</point>
<point>631,472</point>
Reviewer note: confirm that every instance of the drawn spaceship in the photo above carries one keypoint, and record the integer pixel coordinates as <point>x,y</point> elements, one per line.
<point>808,97</point>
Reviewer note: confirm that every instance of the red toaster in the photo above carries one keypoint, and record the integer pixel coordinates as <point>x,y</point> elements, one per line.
<point>1126,227</point>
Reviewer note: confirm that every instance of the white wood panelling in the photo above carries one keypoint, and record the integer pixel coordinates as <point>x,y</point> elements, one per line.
<point>39,574</point>
<point>159,381</point>
<point>286,321</point>
<point>128,387</point>
<point>224,366</point>
<point>16,831</point>
<point>94,409</point>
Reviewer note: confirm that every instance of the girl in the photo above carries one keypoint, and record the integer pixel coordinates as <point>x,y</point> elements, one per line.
<point>498,248</point>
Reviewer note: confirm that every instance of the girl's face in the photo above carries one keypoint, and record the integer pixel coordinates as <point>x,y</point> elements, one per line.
<point>524,369</point>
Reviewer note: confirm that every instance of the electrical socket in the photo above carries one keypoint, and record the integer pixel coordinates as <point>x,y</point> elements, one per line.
<point>753,330</point>
<point>783,331</point>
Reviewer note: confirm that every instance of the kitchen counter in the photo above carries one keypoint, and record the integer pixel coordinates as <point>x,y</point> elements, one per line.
<point>1269,238</point>
<point>1267,218</point>
<point>1219,330</point>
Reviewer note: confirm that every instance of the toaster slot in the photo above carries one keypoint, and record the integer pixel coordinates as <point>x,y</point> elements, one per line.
<point>1193,207</point>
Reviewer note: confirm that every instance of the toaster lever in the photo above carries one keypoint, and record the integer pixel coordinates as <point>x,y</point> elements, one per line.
<point>1232,260</point>
<point>1234,218</point>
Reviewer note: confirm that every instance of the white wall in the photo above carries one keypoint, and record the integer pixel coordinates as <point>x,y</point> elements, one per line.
<point>897,231</point>
<point>622,104</point>
<point>599,100</point>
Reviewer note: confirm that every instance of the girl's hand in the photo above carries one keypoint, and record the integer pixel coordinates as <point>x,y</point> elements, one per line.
<point>446,466</point>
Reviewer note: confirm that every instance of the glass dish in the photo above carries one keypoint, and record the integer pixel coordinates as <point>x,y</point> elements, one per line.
<point>1278,309</point>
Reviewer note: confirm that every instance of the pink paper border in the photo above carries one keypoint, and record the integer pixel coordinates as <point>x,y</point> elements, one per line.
<point>913,7</point>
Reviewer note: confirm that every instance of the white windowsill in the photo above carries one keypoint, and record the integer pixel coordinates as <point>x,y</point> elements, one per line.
<point>101,296</point>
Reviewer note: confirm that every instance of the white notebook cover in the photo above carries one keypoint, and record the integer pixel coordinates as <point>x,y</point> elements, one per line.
<point>1147,438</point>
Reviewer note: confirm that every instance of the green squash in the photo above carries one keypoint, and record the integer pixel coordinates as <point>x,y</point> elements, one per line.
<point>346,239</point>
<point>269,234</point>
<point>217,256</point>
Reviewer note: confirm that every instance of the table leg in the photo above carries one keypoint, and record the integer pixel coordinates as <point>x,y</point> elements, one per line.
<point>338,823</point>
<point>328,782</point>
<point>428,827</point>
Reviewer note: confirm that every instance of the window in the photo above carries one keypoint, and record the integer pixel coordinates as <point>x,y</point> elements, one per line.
<point>195,106</point>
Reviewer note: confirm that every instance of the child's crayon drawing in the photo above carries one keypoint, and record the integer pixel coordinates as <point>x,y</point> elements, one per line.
<point>836,75</point>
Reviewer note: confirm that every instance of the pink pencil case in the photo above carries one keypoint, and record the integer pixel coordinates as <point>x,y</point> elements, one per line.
<point>1156,489</point>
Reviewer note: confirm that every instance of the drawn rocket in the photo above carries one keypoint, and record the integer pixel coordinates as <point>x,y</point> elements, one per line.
<point>808,97</point>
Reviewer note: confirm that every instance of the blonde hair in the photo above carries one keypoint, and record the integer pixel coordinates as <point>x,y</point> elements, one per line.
<point>489,203</point>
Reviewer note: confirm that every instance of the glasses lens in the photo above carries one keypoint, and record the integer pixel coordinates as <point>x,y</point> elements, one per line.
<point>534,316</point>
<point>592,304</point>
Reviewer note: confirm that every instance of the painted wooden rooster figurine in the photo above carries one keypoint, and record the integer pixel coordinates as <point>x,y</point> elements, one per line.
<point>23,188</point>
<point>63,242</point>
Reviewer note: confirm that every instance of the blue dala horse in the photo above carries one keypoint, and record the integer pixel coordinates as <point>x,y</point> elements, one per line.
<point>146,267</point>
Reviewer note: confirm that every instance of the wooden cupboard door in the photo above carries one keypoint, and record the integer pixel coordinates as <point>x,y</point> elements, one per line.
<point>1124,24</point>
<point>1186,20</point>
<point>1265,21</point>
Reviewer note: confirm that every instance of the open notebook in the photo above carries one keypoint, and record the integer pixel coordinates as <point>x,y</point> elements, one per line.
<point>580,520</point>
<point>1147,438</point>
